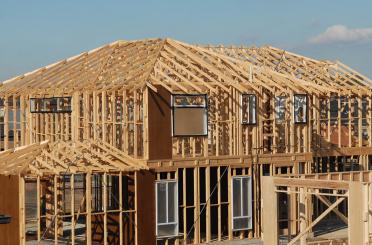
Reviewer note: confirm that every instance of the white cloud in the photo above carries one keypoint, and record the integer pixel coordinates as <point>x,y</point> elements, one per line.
<point>342,34</point>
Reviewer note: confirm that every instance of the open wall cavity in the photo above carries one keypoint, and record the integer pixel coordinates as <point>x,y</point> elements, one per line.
<point>80,209</point>
<point>205,204</point>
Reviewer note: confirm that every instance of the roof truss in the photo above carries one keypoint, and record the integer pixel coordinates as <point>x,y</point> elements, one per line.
<point>67,157</point>
<point>184,68</point>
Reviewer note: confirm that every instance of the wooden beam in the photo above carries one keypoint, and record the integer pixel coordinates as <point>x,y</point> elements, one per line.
<point>319,218</point>
<point>328,204</point>
<point>270,216</point>
<point>325,184</point>
<point>88,194</point>
<point>356,214</point>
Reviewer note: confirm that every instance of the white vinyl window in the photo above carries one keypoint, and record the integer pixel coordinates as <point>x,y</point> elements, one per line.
<point>249,103</point>
<point>242,203</point>
<point>300,108</point>
<point>166,208</point>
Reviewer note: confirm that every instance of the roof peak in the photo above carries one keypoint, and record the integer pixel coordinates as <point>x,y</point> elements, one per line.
<point>99,65</point>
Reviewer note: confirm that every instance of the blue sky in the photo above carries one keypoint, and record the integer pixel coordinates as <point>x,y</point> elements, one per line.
<point>35,33</point>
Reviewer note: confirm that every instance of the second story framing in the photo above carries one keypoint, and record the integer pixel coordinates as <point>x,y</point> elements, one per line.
<point>257,101</point>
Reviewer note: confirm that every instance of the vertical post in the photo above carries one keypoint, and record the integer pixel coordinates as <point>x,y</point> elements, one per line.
<point>369,119</point>
<point>196,206</point>
<point>208,203</point>
<point>239,139</point>
<point>255,208</point>
<point>6,122</point>
<point>292,126</point>
<point>318,121</point>
<point>176,178</point>
<point>287,122</point>
<point>355,211</point>
<point>67,123</point>
<point>113,117</point>
<point>38,211</point>
<point>217,111</point>
<point>329,119</point>
<point>104,116</point>
<point>369,201</point>
<point>95,115</point>
<point>292,212</point>
<point>15,131</point>
<point>256,193</point>
<point>121,208</point>
<point>135,119</point>
<point>145,122</point>
<point>45,122</point>
<point>230,123</point>
<point>260,125</point>
<point>136,206</point>
<point>75,117</point>
<point>229,184</point>
<point>73,222</point>
<point>22,119</point>
<point>29,120</point>
<point>125,123</point>
<point>184,204</point>
<point>360,128</point>
<point>350,107</point>
<point>270,216</point>
<point>219,202</point>
<point>55,194</point>
<point>22,214</point>
<point>303,216</point>
<point>88,194</point>
<point>275,133</point>
<point>366,212</point>
<point>310,124</point>
<point>58,123</point>
<point>339,121</point>
<point>86,112</point>
<point>105,231</point>
<point>39,129</point>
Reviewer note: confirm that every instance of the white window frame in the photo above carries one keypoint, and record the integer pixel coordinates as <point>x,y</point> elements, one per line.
<point>205,107</point>
<point>249,201</point>
<point>166,203</point>
<point>43,102</point>
<point>278,107</point>
<point>248,108</point>
<point>306,111</point>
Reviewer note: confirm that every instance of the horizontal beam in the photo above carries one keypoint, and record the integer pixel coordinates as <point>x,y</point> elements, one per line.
<point>279,159</point>
<point>318,184</point>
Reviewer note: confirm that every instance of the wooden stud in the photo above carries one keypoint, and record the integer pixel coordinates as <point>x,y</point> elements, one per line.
<point>88,194</point>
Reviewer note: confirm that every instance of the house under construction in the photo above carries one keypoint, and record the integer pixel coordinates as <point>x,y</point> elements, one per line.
<point>161,142</point>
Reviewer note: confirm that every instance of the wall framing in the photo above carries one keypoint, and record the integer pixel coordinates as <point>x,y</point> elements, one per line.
<point>120,124</point>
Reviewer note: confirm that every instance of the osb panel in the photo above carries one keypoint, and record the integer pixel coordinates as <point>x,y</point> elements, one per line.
<point>146,208</point>
<point>159,118</point>
<point>9,205</point>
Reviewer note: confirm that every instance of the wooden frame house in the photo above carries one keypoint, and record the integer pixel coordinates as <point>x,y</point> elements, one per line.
<point>158,141</point>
